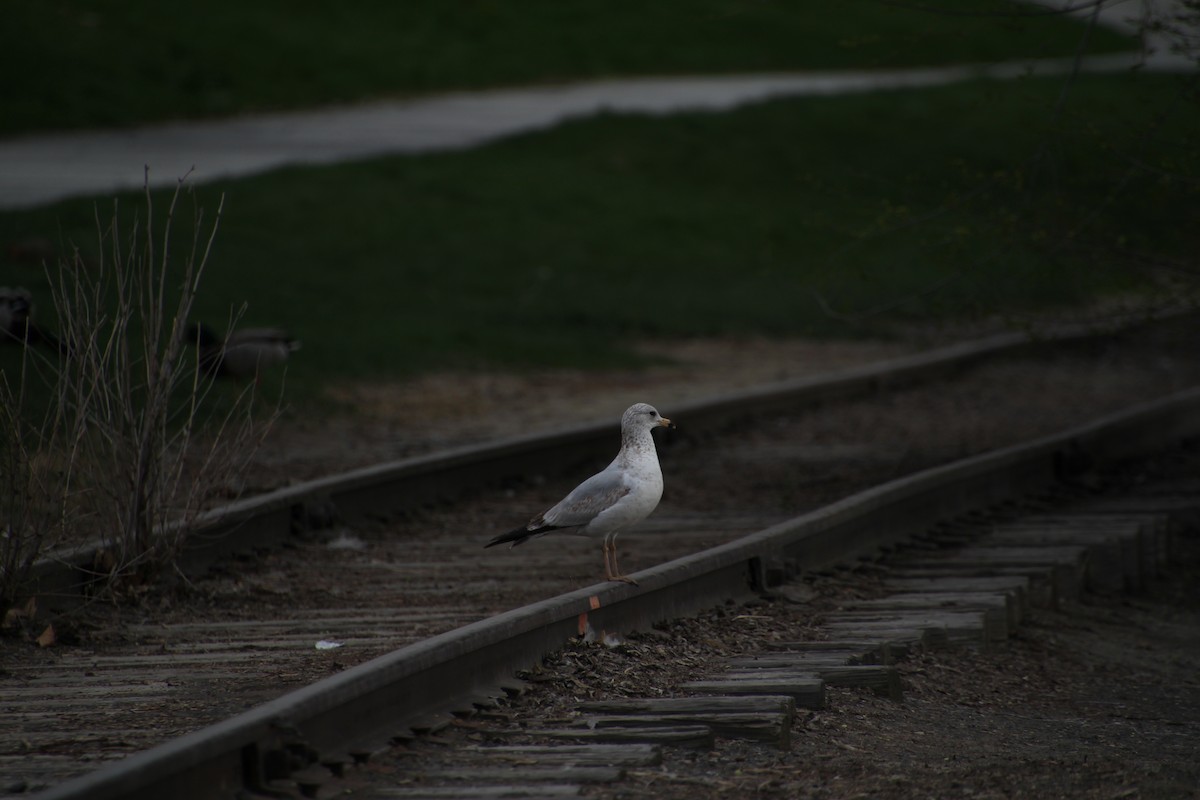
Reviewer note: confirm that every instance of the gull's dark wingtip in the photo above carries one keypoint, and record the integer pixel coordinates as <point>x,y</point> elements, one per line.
<point>520,535</point>
<point>516,537</point>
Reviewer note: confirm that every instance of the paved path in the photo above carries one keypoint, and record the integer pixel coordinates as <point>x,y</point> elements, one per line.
<point>38,170</point>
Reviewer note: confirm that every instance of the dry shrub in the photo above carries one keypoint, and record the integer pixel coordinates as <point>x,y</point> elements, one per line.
<point>134,440</point>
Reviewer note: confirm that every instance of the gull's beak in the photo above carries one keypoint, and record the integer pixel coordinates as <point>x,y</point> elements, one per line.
<point>666,423</point>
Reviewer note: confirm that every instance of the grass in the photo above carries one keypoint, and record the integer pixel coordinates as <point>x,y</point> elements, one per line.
<point>72,64</point>
<point>838,215</point>
<point>565,247</point>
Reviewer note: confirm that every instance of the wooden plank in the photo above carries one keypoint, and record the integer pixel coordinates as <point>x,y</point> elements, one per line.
<point>310,779</point>
<point>812,662</point>
<point>513,687</point>
<point>763,704</point>
<point>1041,578</point>
<point>1065,555</point>
<point>473,705</point>
<point>1016,586</point>
<point>913,633</point>
<point>1113,556</point>
<point>1153,531</point>
<point>928,632</point>
<point>1000,609</point>
<point>1069,520</point>
<point>863,652</point>
<point>117,741</point>
<point>883,680</point>
<point>134,681</point>
<point>967,625</point>
<point>308,625</point>
<point>165,661</point>
<point>677,735</point>
<point>940,627</point>
<point>522,774</point>
<point>1167,504</point>
<point>1068,564</point>
<point>771,727</point>
<point>807,692</point>
<point>613,755</point>
<point>86,696</point>
<point>477,792</point>
<point>432,723</point>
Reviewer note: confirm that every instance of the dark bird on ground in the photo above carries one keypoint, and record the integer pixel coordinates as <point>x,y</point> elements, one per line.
<point>16,320</point>
<point>623,494</point>
<point>243,353</point>
<point>16,305</point>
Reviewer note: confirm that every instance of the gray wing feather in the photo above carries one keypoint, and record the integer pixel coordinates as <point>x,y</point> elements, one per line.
<point>598,493</point>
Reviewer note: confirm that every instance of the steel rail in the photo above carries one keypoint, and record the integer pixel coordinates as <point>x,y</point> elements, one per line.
<point>363,707</point>
<point>64,578</point>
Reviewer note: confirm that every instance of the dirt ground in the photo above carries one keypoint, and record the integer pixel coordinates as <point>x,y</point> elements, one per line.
<point>392,420</point>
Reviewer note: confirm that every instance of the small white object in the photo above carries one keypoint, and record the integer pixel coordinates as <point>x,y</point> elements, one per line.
<point>613,639</point>
<point>326,644</point>
<point>346,541</point>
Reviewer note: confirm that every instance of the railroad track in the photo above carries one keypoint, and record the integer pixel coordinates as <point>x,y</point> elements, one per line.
<point>207,658</point>
<point>967,583</point>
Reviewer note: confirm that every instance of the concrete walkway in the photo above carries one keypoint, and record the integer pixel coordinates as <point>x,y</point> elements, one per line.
<point>38,170</point>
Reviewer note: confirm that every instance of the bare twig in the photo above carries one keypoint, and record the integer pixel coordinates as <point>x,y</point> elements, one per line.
<point>133,440</point>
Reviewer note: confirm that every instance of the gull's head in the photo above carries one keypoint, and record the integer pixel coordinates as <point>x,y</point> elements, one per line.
<point>644,415</point>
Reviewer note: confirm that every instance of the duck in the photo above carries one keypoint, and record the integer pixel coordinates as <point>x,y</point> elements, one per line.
<point>16,320</point>
<point>15,308</point>
<point>242,353</point>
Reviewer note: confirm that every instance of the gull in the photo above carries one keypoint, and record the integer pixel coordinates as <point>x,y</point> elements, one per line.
<point>623,494</point>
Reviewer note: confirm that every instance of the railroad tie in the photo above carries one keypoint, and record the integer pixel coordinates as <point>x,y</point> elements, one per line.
<point>969,584</point>
<point>765,718</point>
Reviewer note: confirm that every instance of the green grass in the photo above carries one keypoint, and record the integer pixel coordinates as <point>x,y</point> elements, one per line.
<point>73,64</point>
<point>566,246</point>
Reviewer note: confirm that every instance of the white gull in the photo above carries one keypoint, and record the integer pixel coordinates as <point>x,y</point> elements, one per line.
<point>623,494</point>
